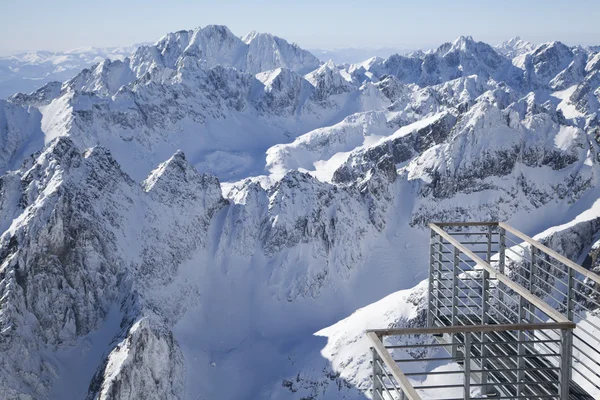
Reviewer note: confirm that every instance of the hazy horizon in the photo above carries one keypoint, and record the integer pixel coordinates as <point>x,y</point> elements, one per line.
<point>67,24</point>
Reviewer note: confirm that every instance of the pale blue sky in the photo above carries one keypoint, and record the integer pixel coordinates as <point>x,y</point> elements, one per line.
<point>66,24</point>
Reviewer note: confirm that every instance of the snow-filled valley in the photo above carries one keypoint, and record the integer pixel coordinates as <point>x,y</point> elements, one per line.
<point>217,216</point>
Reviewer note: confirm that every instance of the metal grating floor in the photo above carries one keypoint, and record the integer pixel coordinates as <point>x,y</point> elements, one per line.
<point>576,392</point>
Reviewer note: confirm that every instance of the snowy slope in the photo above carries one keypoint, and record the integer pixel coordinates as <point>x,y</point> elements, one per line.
<point>171,218</point>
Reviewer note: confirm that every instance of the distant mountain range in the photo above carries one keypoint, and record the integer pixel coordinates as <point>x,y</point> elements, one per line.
<point>25,72</point>
<point>351,55</point>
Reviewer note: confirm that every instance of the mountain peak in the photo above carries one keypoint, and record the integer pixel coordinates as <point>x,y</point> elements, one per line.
<point>514,47</point>
<point>222,30</point>
<point>462,42</point>
<point>250,36</point>
<point>217,45</point>
<point>552,46</point>
<point>177,165</point>
<point>464,39</point>
<point>247,38</point>
<point>176,181</point>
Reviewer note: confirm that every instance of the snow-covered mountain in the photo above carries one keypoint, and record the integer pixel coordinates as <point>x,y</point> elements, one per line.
<point>352,55</point>
<point>461,58</point>
<point>514,47</point>
<point>204,218</point>
<point>26,72</point>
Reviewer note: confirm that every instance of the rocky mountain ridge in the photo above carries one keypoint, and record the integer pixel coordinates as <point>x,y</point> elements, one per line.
<point>207,201</point>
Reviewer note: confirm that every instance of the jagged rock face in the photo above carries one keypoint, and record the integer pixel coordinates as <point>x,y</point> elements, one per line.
<point>20,133</point>
<point>399,148</point>
<point>328,81</point>
<point>303,210</point>
<point>90,238</point>
<point>218,46</point>
<point>478,162</point>
<point>446,155</point>
<point>285,92</point>
<point>586,96</point>
<point>63,268</point>
<point>267,52</point>
<point>41,97</point>
<point>147,363</point>
<point>103,79</point>
<point>60,261</point>
<point>550,59</point>
<point>200,108</point>
<point>450,61</point>
<point>132,269</point>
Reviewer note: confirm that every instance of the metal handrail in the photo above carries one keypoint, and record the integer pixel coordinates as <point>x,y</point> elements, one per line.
<point>473,328</point>
<point>494,274</point>
<point>386,367</point>
<point>551,281</point>
<point>396,372</point>
<point>585,272</point>
<point>493,299</point>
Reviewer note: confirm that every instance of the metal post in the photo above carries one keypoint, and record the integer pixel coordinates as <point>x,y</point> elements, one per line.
<point>467,366</point>
<point>485,296</point>
<point>532,271</point>
<point>430,309</point>
<point>565,362</point>
<point>455,287</point>
<point>454,296</point>
<point>376,373</point>
<point>502,250</point>
<point>521,347</point>
<point>489,245</point>
<point>570,293</point>
<point>440,275</point>
<point>484,321</point>
<point>501,258</point>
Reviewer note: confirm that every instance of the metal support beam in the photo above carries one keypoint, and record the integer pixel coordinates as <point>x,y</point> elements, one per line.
<point>430,298</point>
<point>467,366</point>
<point>532,270</point>
<point>455,272</point>
<point>485,308</point>
<point>570,293</point>
<point>405,386</point>
<point>440,266</point>
<point>566,362</point>
<point>502,251</point>
<point>521,348</point>
<point>376,375</point>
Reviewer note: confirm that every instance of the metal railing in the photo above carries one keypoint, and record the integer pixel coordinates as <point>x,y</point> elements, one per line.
<point>568,287</point>
<point>469,367</point>
<point>489,274</point>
